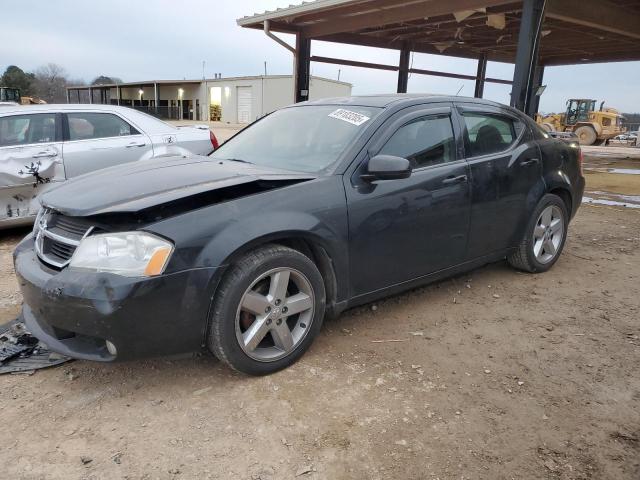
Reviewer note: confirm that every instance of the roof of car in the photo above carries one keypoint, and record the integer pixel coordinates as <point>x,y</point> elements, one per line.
<point>386,100</point>
<point>47,107</point>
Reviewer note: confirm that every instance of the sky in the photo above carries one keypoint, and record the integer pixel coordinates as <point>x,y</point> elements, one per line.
<point>166,39</point>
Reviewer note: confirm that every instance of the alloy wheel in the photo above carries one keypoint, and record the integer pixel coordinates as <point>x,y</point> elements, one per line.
<point>275,314</point>
<point>548,234</point>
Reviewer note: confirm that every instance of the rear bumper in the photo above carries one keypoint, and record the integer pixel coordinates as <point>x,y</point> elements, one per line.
<point>75,313</point>
<point>578,193</point>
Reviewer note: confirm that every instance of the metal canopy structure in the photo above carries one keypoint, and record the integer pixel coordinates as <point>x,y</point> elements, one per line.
<point>530,33</point>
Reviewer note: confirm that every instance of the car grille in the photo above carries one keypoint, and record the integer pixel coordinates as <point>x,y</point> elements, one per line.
<point>57,236</point>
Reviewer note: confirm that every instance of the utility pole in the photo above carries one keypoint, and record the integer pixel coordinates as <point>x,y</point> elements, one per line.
<point>339,74</point>
<point>203,62</point>
<point>265,68</point>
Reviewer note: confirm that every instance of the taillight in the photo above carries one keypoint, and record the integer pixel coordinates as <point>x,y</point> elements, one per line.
<point>214,140</point>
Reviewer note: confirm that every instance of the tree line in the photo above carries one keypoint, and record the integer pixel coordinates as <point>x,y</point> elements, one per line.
<point>47,82</point>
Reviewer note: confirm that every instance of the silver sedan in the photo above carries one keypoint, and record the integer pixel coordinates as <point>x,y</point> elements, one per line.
<point>43,145</point>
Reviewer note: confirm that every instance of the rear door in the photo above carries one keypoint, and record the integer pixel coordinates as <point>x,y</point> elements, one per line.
<point>403,229</point>
<point>95,140</point>
<point>506,176</point>
<point>30,161</point>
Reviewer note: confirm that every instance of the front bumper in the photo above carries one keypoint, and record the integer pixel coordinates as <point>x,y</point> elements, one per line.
<point>75,313</point>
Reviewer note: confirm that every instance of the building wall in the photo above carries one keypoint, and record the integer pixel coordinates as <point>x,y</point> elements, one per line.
<point>268,94</point>
<point>271,93</point>
<point>323,88</point>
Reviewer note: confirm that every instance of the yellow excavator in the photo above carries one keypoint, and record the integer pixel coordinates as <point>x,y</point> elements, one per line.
<point>12,95</point>
<point>582,118</point>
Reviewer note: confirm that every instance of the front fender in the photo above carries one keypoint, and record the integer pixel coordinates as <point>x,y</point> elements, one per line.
<point>214,236</point>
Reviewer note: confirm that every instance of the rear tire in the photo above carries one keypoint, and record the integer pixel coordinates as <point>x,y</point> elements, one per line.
<point>544,237</point>
<point>267,310</point>
<point>586,135</point>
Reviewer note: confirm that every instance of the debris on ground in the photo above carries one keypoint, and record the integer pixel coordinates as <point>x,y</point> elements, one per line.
<point>21,352</point>
<point>304,470</point>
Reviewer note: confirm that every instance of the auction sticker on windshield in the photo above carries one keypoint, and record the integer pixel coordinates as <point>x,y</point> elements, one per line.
<point>349,116</point>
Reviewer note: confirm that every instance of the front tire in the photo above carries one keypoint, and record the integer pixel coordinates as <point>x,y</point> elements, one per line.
<point>586,135</point>
<point>267,310</point>
<point>544,237</point>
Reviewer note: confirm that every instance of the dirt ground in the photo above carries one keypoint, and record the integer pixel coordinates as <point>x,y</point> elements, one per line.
<point>491,375</point>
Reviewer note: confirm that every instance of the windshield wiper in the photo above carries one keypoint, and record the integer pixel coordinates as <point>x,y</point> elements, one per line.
<point>237,160</point>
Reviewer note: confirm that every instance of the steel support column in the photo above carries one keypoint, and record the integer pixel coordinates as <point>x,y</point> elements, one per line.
<point>523,94</point>
<point>156,97</point>
<point>481,75</point>
<point>403,71</point>
<point>302,68</point>
<point>90,95</point>
<point>537,83</point>
<point>68,96</point>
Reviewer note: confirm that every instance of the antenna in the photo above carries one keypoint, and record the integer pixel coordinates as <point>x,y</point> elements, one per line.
<point>339,74</point>
<point>203,63</point>
<point>265,68</point>
<point>459,90</point>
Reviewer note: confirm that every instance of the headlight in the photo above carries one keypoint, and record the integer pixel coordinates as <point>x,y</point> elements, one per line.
<point>131,254</point>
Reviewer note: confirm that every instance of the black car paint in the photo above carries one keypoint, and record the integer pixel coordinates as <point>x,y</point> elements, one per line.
<point>370,239</point>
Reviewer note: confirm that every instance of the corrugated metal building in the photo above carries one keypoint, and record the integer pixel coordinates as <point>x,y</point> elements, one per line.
<point>230,100</point>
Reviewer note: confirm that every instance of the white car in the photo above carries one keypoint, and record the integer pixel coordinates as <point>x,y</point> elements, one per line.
<point>41,145</point>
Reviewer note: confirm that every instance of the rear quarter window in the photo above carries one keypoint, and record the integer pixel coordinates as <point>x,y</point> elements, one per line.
<point>490,133</point>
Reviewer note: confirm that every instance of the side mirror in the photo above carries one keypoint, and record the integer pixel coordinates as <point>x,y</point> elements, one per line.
<point>387,167</point>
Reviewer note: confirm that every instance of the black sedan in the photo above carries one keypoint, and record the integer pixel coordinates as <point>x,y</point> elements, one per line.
<point>315,208</point>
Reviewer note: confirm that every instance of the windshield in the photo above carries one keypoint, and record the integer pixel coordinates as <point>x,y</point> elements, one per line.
<point>306,139</point>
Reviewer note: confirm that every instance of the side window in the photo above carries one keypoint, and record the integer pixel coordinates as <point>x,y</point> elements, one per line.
<point>488,133</point>
<point>85,126</point>
<point>424,141</point>
<point>27,129</point>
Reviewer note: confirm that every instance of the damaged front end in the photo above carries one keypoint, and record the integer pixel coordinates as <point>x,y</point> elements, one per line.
<point>116,309</point>
<point>24,174</point>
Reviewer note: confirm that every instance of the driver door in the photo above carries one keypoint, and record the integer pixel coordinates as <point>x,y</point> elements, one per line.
<point>407,228</point>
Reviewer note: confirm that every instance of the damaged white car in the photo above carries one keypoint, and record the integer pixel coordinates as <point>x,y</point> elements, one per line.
<point>41,145</point>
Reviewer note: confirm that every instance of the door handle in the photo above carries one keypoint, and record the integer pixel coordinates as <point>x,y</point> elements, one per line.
<point>136,144</point>
<point>531,161</point>
<point>45,154</point>
<point>458,179</point>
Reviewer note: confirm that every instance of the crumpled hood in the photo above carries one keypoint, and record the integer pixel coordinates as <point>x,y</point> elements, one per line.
<point>136,186</point>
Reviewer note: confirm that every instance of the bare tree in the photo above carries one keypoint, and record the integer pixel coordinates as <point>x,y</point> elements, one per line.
<point>50,82</point>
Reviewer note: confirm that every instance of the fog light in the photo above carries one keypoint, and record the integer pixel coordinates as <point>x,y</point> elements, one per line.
<point>111,348</point>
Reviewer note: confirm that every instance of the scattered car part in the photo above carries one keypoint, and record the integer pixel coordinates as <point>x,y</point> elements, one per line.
<point>22,352</point>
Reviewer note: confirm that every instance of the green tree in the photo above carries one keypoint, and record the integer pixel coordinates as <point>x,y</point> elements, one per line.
<point>104,80</point>
<point>15,77</point>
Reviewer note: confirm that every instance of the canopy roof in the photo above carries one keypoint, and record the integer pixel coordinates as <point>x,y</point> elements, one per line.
<point>574,31</point>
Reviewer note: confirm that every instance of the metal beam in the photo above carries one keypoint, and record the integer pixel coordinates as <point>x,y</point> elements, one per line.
<point>599,14</point>
<point>394,68</point>
<point>481,77</point>
<point>400,13</point>
<point>403,70</point>
<point>353,63</point>
<point>527,54</point>
<point>302,68</point>
<point>414,46</point>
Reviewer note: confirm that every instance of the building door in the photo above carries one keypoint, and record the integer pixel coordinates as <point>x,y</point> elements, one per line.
<point>245,98</point>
